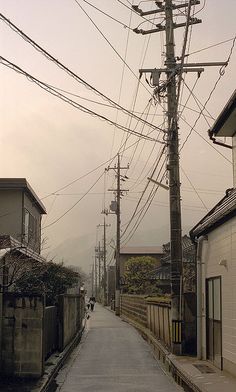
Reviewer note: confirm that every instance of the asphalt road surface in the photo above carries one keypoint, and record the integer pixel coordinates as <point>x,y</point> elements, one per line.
<point>112,357</point>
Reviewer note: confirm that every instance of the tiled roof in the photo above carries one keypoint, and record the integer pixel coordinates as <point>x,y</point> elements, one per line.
<point>224,210</point>
<point>8,244</point>
<point>141,250</point>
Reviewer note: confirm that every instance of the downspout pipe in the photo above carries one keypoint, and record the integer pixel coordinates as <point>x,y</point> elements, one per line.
<point>200,241</point>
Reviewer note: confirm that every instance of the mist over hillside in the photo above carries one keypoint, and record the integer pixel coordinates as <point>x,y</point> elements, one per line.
<point>79,251</point>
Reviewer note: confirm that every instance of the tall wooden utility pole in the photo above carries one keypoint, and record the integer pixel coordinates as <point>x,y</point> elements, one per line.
<point>96,275</point>
<point>173,162</point>
<point>117,298</point>
<point>174,181</point>
<point>99,270</point>
<point>118,192</point>
<point>104,259</point>
<point>104,264</point>
<point>92,280</point>
<point>173,72</point>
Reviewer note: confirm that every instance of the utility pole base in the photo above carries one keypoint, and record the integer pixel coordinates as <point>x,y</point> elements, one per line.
<point>117,303</point>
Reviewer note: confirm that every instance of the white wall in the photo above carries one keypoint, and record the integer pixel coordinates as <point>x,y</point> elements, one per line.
<point>221,245</point>
<point>234,159</point>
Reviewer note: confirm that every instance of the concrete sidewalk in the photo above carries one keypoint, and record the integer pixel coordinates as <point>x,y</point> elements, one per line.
<point>113,357</point>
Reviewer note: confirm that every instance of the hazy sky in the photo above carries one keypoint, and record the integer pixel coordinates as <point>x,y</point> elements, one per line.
<point>51,143</point>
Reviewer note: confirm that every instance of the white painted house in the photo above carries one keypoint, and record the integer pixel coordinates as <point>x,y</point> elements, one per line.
<point>215,236</point>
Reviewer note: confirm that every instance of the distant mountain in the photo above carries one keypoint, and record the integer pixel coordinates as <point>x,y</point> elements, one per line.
<point>79,251</point>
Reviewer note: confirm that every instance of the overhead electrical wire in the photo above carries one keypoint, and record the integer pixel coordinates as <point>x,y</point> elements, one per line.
<point>162,204</point>
<point>110,44</point>
<point>137,182</point>
<point>195,190</point>
<point>210,47</point>
<point>62,66</point>
<point>144,191</point>
<point>221,74</point>
<point>143,212</point>
<point>122,79</point>
<point>205,140</point>
<point>74,205</point>
<point>143,57</point>
<point>104,13</point>
<point>180,71</point>
<point>135,12</point>
<point>183,52</point>
<point>75,104</point>
<point>199,104</point>
<point>109,161</point>
<point>113,107</point>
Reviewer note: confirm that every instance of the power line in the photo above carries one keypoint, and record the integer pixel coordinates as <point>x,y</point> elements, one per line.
<point>74,205</point>
<point>133,10</point>
<point>205,140</point>
<point>63,67</point>
<point>122,79</point>
<point>143,212</point>
<point>143,193</point>
<point>195,190</point>
<point>221,74</point>
<point>110,44</point>
<point>209,47</point>
<point>104,13</point>
<point>162,204</point>
<point>75,104</point>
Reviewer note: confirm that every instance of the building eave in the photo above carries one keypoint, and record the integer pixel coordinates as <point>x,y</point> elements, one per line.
<point>225,124</point>
<point>22,184</point>
<point>223,211</point>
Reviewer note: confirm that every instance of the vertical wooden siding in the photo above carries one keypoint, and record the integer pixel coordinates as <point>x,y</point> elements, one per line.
<point>153,314</point>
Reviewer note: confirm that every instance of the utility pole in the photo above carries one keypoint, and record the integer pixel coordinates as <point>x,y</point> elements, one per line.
<point>104,258</point>
<point>118,192</point>
<point>172,70</point>
<point>117,297</point>
<point>174,181</point>
<point>92,279</point>
<point>99,270</point>
<point>96,276</point>
<point>104,264</point>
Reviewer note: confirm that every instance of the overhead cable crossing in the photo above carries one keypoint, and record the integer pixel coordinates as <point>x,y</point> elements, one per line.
<point>69,71</point>
<point>75,104</point>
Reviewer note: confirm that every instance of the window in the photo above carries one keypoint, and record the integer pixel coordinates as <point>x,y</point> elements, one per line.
<point>26,226</point>
<point>29,227</point>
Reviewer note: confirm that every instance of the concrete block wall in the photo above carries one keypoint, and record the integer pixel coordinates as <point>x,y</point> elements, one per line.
<point>22,337</point>
<point>71,312</point>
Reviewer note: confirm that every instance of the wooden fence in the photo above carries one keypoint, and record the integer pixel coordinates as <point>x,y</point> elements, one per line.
<point>135,308</point>
<point>151,313</point>
<point>159,320</point>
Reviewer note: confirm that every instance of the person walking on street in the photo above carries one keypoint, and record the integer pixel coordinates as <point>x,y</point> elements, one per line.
<point>92,302</point>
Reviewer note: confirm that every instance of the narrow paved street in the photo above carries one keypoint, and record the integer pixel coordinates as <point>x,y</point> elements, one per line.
<point>112,357</point>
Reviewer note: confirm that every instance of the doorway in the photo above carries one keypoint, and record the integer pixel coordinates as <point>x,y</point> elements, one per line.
<point>214,321</point>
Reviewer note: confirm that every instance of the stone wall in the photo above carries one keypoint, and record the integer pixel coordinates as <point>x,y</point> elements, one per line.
<point>22,335</point>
